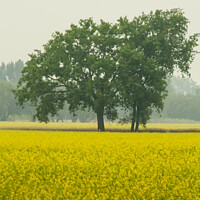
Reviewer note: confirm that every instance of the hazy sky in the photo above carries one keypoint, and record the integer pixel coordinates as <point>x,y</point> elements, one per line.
<point>28,24</point>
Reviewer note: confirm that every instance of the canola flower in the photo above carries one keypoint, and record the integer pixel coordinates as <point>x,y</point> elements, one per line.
<point>88,165</point>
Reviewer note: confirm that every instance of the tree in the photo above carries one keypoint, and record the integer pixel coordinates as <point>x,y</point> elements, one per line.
<point>2,72</point>
<point>11,72</point>
<point>19,65</point>
<point>93,66</point>
<point>179,106</point>
<point>85,116</point>
<point>8,104</point>
<point>184,86</point>
<point>77,67</point>
<point>153,46</point>
<point>142,87</point>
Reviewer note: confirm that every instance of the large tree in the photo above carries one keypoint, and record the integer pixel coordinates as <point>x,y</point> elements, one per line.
<point>79,67</point>
<point>153,46</point>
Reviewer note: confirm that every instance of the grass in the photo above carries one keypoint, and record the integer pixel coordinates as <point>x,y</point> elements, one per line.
<point>151,127</point>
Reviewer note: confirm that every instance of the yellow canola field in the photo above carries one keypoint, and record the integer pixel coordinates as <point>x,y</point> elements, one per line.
<point>88,165</point>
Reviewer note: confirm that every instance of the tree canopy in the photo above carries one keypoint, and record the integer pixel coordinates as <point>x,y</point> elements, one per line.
<point>153,47</point>
<point>103,66</point>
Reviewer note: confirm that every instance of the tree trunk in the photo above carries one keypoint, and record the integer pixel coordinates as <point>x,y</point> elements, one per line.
<point>100,121</point>
<point>137,120</point>
<point>137,126</point>
<point>133,118</point>
<point>4,117</point>
<point>132,125</point>
<point>74,118</point>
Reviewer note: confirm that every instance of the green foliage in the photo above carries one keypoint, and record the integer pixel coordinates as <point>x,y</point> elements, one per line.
<point>8,104</point>
<point>182,107</point>
<point>153,46</point>
<point>2,72</point>
<point>101,66</point>
<point>11,72</point>
<point>77,67</point>
<point>183,101</point>
<point>180,85</point>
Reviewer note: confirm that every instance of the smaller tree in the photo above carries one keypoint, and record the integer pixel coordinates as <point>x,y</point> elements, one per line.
<point>8,104</point>
<point>153,46</point>
<point>141,87</point>
<point>19,65</point>
<point>2,72</point>
<point>10,72</point>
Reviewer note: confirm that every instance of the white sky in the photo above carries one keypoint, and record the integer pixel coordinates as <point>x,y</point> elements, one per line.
<point>26,25</point>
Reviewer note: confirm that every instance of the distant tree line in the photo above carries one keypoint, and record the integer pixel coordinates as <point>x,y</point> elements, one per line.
<point>183,102</point>
<point>9,76</point>
<point>182,107</point>
<point>11,72</point>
